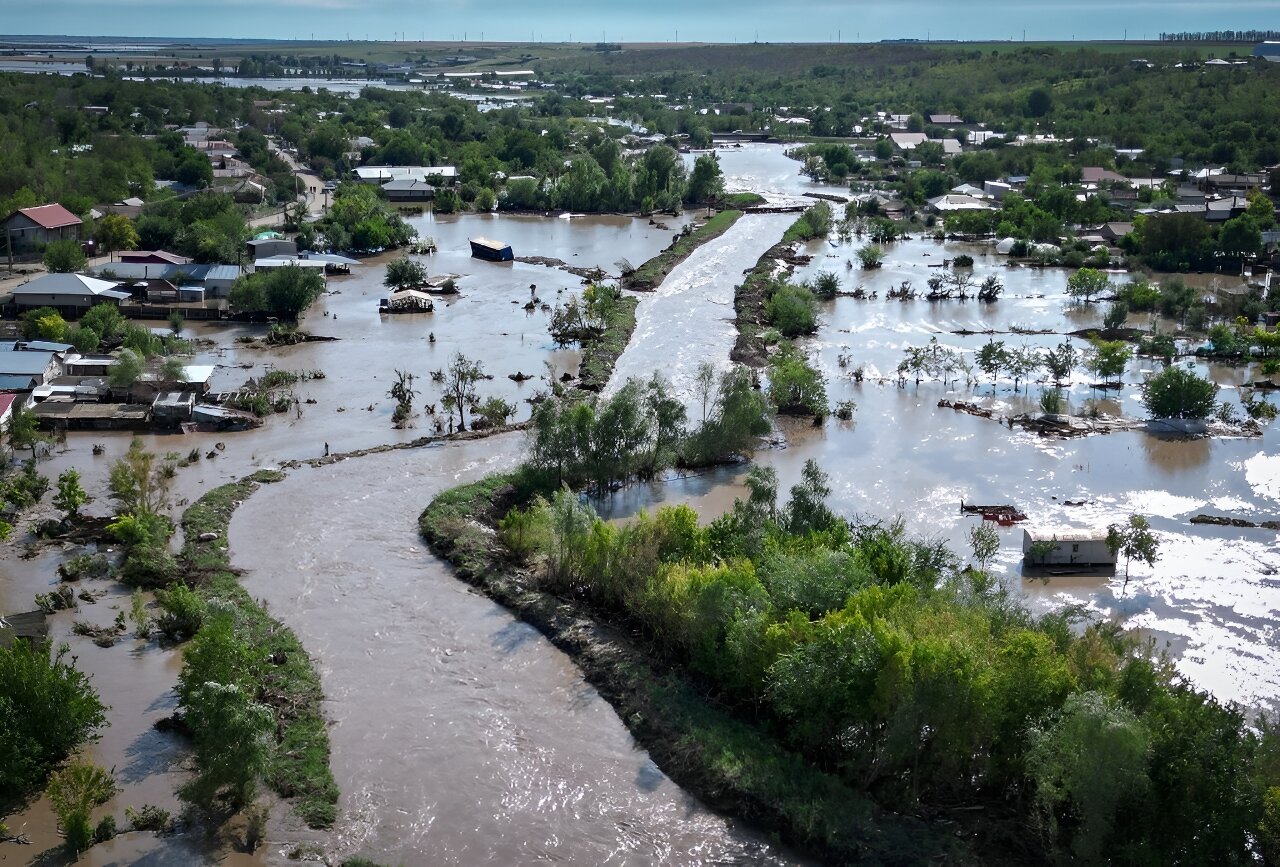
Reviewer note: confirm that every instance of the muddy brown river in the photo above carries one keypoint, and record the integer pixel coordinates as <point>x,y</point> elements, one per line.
<point>459,734</point>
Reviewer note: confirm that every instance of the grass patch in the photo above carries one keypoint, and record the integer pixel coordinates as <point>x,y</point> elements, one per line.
<point>600,354</point>
<point>740,201</point>
<point>651,274</point>
<point>299,765</point>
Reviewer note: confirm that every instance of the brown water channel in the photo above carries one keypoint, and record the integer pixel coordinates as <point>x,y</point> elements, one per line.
<point>460,736</point>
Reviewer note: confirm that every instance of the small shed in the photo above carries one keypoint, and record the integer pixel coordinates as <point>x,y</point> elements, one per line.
<point>1083,549</point>
<point>264,248</point>
<point>173,406</point>
<point>494,251</point>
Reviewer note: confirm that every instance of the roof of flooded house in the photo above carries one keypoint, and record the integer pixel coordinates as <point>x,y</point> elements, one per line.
<point>45,346</point>
<point>1050,534</point>
<point>49,216</point>
<point>490,243</point>
<point>157,271</point>
<point>197,373</point>
<point>24,362</point>
<point>71,284</point>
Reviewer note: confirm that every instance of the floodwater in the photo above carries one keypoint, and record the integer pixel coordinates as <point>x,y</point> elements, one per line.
<point>690,317</point>
<point>460,735</point>
<point>1212,599</point>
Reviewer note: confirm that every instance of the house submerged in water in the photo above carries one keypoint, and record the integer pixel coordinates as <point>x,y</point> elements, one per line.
<point>1067,551</point>
<point>494,251</point>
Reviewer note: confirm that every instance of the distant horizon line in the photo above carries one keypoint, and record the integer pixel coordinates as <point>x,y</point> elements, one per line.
<point>470,41</point>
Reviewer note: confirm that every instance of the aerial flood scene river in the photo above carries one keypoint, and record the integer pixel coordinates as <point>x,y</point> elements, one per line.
<point>464,729</point>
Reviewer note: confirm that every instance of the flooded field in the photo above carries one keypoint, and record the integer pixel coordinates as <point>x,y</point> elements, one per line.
<point>461,735</point>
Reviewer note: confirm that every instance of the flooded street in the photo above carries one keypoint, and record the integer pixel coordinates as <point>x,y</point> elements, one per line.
<point>460,735</point>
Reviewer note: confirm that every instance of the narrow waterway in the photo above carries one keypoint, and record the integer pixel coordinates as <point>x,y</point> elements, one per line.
<point>460,735</point>
<point>690,318</point>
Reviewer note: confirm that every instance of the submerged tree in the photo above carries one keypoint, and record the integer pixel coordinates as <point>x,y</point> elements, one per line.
<point>404,273</point>
<point>1133,539</point>
<point>1176,392</point>
<point>460,381</point>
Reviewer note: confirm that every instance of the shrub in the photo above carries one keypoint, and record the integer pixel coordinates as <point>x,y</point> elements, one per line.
<point>182,612</point>
<point>795,387</point>
<point>1176,392</point>
<point>84,566</point>
<point>149,818</point>
<point>74,791</point>
<point>793,311</point>
<point>148,566</point>
<point>825,286</point>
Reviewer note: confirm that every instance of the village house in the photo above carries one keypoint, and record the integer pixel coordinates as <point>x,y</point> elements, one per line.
<point>24,366</point>
<point>29,228</point>
<point>215,280</point>
<point>8,402</point>
<point>153,257</point>
<point>1074,549</point>
<point>945,120</point>
<point>409,190</point>
<point>69,294</point>
<point>381,174</point>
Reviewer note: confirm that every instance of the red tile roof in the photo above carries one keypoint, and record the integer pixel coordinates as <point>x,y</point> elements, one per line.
<point>51,216</point>
<point>6,401</point>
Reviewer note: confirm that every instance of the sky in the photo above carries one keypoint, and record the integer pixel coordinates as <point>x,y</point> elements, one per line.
<point>648,21</point>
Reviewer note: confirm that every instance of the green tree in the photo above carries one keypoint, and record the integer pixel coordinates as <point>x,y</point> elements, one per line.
<point>985,543</point>
<point>460,380</point>
<point>24,432</point>
<point>793,310</point>
<point>284,292</point>
<point>404,273</point>
<point>44,323</point>
<point>1108,358</point>
<point>1088,763</point>
<point>70,496</point>
<point>1086,283</point>
<point>115,232</point>
<point>1240,236</point>
<point>106,320</point>
<point>47,709</point>
<point>871,256</point>
<point>126,370</point>
<point>63,257</point>
<point>1133,539</point>
<point>795,387</point>
<point>993,358</point>
<point>1061,360</point>
<point>706,181</point>
<point>1176,392</point>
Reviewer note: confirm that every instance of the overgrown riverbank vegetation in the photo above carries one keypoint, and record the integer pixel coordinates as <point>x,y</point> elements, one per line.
<point>650,275</point>
<point>883,665</point>
<point>248,692</point>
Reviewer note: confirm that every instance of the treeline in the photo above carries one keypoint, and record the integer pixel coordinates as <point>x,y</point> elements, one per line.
<point>642,430</point>
<point>1221,36</point>
<point>886,664</point>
